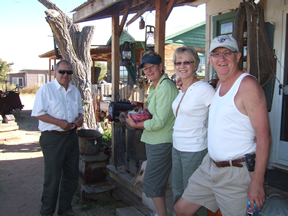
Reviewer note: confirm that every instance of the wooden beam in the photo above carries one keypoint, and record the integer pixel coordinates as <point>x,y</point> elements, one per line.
<point>93,76</point>
<point>170,7</point>
<point>139,13</point>
<point>115,54</point>
<point>124,18</point>
<point>115,72</point>
<point>160,28</point>
<point>94,7</point>
<point>49,75</point>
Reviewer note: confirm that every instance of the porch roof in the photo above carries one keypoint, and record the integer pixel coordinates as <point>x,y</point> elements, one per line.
<point>97,52</point>
<point>99,9</point>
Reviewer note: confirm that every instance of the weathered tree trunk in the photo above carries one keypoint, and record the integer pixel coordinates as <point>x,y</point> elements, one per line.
<point>74,46</point>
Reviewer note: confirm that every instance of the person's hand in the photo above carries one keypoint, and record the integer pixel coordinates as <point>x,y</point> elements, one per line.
<point>63,124</point>
<point>179,82</point>
<point>78,122</point>
<point>256,194</point>
<point>130,121</point>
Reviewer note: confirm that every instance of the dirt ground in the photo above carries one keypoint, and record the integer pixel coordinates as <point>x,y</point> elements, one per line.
<point>21,172</point>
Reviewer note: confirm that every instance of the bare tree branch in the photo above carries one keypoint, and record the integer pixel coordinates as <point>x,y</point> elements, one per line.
<point>74,46</point>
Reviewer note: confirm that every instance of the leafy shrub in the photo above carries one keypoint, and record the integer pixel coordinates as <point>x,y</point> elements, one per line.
<point>106,137</point>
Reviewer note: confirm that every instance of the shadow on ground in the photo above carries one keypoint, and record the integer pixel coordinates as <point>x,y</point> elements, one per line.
<point>24,148</point>
<point>25,121</point>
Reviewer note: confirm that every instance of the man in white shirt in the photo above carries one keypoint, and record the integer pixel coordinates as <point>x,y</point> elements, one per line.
<point>238,114</point>
<point>58,107</point>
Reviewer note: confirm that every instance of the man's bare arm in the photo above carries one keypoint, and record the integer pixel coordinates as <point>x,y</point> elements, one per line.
<point>51,120</point>
<point>254,103</point>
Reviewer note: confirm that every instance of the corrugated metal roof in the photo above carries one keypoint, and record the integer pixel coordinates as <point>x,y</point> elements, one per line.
<point>191,36</point>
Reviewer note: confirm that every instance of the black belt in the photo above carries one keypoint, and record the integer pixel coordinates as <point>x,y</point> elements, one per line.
<point>236,162</point>
<point>69,132</point>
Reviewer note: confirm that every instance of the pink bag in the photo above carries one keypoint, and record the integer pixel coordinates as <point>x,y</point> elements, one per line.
<point>141,116</point>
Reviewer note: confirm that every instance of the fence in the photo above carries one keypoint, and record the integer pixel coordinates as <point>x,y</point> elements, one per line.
<point>134,93</point>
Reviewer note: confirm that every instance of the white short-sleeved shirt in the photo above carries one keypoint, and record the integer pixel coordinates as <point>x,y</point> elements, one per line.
<point>190,128</point>
<point>53,99</point>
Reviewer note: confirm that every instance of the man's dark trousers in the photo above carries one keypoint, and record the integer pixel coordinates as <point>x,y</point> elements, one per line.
<point>61,159</point>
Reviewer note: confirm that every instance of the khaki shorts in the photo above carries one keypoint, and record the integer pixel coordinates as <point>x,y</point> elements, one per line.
<point>224,188</point>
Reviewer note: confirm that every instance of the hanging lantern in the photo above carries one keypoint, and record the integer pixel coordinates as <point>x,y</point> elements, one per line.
<point>149,37</point>
<point>126,55</point>
<point>141,23</point>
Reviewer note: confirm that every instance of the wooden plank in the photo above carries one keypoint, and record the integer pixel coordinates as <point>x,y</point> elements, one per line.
<point>9,128</point>
<point>170,6</point>
<point>124,18</point>
<point>3,125</point>
<point>115,54</point>
<point>130,198</point>
<point>139,13</point>
<point>94,7</point>
<point>160,28</point>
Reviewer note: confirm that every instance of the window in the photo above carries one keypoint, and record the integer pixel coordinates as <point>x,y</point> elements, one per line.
<point>226,28</point>
<point>201,66</point>
<point>17,81</point>
<point>223,24</point>
<point>123,76</point>
<point>41,79</point>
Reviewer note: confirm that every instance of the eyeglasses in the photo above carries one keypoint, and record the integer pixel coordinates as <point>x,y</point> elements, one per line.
<point>148,68</point>
<point>225,53</point>
<point>186,63</point>
<point>69,72</point>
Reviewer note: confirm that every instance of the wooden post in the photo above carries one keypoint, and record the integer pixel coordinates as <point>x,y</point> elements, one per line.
<point>115,76</point>
<point>54,69</point>
<point>160,7</point>
<point>49,73</point>
<point>115,54</point>
<point>93,74</point>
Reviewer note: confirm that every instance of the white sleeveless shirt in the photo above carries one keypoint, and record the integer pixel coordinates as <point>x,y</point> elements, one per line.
<point>230,133</point>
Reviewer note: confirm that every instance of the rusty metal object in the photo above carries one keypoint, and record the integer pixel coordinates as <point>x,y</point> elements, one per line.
<point>89,141</point>
<point>96,188</point>
<point>92,168</point>
<point>9,101</point>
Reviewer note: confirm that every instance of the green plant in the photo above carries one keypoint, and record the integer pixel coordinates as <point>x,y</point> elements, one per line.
<point>106,137</point>
<point>103,72</point>
<point>4,68</point>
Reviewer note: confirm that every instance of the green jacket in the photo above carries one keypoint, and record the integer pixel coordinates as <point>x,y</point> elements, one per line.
<point>159,129</point>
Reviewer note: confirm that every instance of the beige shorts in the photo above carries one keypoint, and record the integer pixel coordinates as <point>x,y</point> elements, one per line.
<point>224,188</point>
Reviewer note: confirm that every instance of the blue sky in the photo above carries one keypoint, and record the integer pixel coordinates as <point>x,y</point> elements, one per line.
<point>25,34</point>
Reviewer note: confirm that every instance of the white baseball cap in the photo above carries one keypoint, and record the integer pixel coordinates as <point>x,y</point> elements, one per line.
<point>224,41</point>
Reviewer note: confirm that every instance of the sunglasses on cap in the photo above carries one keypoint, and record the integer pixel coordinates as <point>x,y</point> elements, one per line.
<point>69,72</point>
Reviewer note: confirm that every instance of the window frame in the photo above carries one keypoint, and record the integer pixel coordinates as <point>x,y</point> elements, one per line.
<point>17,81</point>
<point>38,81</point>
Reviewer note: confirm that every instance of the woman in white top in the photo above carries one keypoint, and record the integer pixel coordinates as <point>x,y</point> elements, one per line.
<point>191,111</point>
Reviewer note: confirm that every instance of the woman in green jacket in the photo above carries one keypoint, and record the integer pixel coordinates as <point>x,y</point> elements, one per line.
<point>157,132</point>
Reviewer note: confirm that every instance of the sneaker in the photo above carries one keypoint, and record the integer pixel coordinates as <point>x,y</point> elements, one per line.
<point>69,213</point>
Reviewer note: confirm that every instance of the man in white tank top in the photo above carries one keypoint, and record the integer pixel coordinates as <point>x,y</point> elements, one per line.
<point>237,117</point>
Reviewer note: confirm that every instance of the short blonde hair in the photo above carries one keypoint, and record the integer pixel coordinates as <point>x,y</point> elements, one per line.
<point>193,53</point>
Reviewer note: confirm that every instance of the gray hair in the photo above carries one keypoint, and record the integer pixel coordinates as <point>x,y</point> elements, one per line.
<point>63,61</point>
<point>193,53</point>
